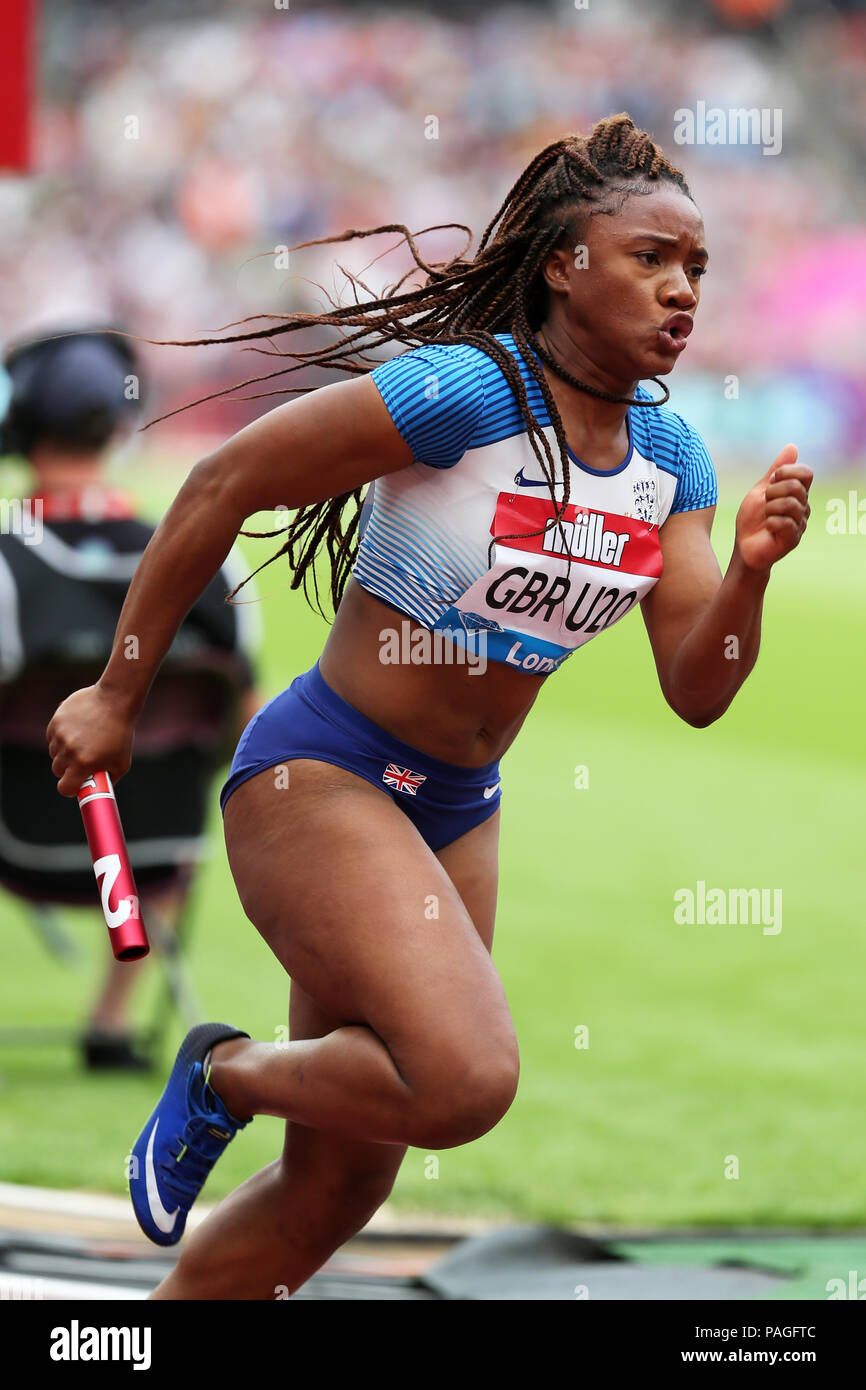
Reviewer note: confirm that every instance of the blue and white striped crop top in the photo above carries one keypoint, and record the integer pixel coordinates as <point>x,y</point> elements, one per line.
<point>425,530</point>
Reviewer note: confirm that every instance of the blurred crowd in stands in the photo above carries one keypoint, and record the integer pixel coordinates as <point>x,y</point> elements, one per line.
<point>174,155</point>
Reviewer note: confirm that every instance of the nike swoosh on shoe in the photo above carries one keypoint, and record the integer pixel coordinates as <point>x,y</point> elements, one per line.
<point>162,1219</point>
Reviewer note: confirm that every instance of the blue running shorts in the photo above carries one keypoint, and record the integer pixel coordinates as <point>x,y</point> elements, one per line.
<point>310,720</point>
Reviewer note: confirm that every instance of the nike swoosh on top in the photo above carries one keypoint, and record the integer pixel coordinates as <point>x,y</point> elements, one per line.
<point>162,1219</point>
<point>488,791</point>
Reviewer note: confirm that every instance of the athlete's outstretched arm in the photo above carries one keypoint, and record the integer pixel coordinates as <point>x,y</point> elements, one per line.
<point>324,444</point>
<point>705,630</point>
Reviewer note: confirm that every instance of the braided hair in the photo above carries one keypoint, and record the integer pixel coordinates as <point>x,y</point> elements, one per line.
<point>502,289</point>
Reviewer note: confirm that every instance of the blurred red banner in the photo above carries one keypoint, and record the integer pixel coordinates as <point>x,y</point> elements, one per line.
<point>17,24</point>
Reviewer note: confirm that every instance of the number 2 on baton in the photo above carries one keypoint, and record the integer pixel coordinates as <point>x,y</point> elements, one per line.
<point>120,902</point>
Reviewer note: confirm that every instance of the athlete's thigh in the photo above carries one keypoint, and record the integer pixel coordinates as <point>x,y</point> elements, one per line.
<point>361,913</point>
<point>472,864</point>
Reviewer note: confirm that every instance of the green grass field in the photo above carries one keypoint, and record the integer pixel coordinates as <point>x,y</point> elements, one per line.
<point>711,1047</point>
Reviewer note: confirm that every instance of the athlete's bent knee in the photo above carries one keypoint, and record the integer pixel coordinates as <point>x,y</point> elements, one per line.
<point>468,1108</point>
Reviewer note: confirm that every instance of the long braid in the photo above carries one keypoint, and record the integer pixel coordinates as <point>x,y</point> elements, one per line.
<point>500,290</point>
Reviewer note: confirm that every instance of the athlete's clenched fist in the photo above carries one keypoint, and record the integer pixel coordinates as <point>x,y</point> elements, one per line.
<point>88,733</point>
<point>773,515</point>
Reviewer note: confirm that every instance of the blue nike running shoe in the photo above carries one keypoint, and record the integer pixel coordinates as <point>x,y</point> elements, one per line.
<point>182,1140</point>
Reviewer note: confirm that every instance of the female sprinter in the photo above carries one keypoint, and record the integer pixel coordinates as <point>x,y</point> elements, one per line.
<point>370,787</point>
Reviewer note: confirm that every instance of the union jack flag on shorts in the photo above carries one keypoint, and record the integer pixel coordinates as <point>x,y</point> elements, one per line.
<point>403,779</point>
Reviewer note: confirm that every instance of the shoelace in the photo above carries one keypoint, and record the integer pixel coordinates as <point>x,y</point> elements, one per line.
<point>185,1171</point>
<point>204,1138</point>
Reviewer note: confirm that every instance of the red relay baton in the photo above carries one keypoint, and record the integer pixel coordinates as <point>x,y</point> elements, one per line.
<point>111,866</point>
